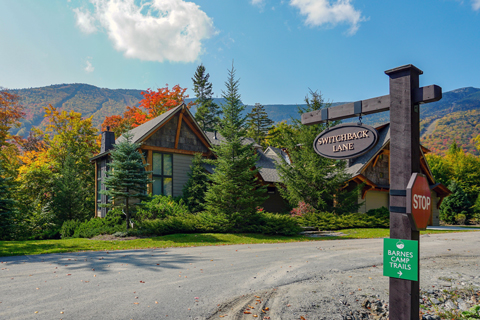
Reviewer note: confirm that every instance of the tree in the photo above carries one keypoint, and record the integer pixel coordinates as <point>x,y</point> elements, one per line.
<point>11,111</point>
<point>235,191</point>
<point>455,204</point>
<point>196,187</point>
<point>458,166</point>
<point>259,124</point>
<point>126,180</point>
<point>153,104</point>
<point>276,133</point>
<point>309,177</point>
<point>7,206</point>
<point>56,178</point>
<point>208,113</point>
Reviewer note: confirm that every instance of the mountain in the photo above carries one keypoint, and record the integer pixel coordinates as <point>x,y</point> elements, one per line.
<point>86,99</point>
<point>455,117</point>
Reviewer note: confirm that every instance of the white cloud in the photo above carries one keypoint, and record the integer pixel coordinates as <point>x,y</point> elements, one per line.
<point>89,68</point>
<point>258,2</point>
<point>158,30</point>
<point>85,20</point>
<point>476,4</point>
<point>325,12</point>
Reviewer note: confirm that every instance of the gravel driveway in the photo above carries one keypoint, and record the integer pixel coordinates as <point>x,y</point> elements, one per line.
<point>314,280</point>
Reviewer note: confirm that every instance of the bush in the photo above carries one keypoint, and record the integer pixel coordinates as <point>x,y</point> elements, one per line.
<point>205,222</point>
<point>302,209</point>
<point>68,228</point>
<point>377,218</point>
<point>113,222</point>
<point>161,207</point>
<point>460,218</point>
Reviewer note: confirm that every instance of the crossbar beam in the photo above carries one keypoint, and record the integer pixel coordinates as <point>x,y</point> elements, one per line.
<point>379,104</point>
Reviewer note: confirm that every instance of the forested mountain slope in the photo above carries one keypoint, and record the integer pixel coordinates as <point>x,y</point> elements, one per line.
<point>455,117</point>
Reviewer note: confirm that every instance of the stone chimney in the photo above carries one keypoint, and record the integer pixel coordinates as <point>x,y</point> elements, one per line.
<point>108,140</point>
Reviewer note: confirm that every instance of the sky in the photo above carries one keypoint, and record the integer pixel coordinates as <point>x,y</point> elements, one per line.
<point>280,49</point>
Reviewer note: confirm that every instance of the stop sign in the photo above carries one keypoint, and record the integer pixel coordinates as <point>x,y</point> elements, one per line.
<point>419,201</point>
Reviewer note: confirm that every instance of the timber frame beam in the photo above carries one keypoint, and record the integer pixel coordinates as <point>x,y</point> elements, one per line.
<point>379,104</point>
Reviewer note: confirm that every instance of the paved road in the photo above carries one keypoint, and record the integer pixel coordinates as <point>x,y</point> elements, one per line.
<point>186,283</point>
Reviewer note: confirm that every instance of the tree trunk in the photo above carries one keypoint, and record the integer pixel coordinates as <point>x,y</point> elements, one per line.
<point>127,213</point>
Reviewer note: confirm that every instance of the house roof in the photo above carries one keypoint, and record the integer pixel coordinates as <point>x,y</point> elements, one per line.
<point>216,138</point>
<point>143,131</point>
<point>357,165</point>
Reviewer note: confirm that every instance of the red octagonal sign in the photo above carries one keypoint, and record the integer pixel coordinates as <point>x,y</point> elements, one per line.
<point>419,201</point>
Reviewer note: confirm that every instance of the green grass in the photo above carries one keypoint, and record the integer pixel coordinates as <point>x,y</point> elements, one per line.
<point>15,248</point>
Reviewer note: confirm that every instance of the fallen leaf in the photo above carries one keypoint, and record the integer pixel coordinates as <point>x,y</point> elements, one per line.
<point>61,312</point>
<point>255,316</point>
<point>247,312</point>
<point>135,303</point>
<point>36,311</point>
<point>302,317</point>
<point>267,308</point>
<point>289,305</point>
<point>156,302</point>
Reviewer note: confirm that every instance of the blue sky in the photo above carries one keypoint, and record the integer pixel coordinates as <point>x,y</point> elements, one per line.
<point>280,48</point>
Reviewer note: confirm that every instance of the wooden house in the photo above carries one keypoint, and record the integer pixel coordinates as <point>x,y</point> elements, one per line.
<point>168,144</point>
<point>372,169</point>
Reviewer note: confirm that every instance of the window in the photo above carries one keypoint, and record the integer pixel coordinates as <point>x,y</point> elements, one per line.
<point>162,168</point>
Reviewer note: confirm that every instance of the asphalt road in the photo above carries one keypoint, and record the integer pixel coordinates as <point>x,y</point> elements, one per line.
<point>195,282</point>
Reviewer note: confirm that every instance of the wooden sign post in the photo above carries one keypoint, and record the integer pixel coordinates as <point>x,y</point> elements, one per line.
<point>404,104</point>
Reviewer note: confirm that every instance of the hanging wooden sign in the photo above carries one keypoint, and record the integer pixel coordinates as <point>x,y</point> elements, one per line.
<point>345,141</point>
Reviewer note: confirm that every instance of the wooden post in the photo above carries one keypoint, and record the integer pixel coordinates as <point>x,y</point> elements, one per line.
<point>405,160</point>
<point>403,102</point>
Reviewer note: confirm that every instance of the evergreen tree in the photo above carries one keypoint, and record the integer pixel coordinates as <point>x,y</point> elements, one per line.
<point>208,112</point>
<point>455,204</point>
<point>196,187</point>
<point>235,192</point>
<point>127,179</point>
<point>7,209</point>
<point>310,177</point>
<point>258,124</point>
<point>70,191</point>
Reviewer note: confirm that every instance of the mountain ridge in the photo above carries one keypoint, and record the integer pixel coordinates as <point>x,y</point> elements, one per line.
<point>101,102</point>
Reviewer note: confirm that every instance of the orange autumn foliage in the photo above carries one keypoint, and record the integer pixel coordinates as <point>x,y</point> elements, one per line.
<point>153,104</point>
<point>11,111</point>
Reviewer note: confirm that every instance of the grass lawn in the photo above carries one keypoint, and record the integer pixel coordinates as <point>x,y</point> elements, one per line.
<point>15,248</point>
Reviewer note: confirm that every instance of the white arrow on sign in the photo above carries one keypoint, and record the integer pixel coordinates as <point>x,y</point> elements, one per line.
<point>399,273</point>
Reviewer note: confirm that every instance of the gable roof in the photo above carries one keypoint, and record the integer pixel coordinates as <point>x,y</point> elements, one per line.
<point>216,139</point>
<point>143,131</point>
<point>357,165</point>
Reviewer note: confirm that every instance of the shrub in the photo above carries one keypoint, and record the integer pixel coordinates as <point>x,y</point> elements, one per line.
<point>161,207</point>
<point>113,222</point>
<point>278,224</point>
<point>331,221</point>
<point>460,218</point>
<point>303,208</point>
<point>68,228</point>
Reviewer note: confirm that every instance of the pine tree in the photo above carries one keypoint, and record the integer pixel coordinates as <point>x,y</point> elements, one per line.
<point>196,187</point>
<point>311,178</point>
<point>208,112</point>
<point>7,209</point>
<point>70,192</point>
<point>235,192</point>
<point>127,178</point>
<point>258,124</point>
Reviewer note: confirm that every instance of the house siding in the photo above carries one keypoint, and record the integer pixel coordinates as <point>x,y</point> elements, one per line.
<point>181,168</point>
<point>373,200</point>
<point>435,210</point>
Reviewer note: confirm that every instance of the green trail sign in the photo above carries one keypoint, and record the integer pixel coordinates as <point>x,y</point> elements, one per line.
<point>400,259</point>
